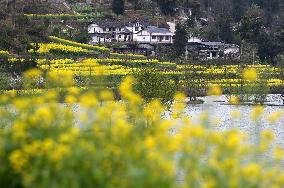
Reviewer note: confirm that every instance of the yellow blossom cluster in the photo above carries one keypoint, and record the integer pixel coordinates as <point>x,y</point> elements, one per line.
<point>4,53</point>
<point>80,45</point>
<point>250,74</point>
<point>47,47</point>
<point>127,56</point>
<point>55,15</point>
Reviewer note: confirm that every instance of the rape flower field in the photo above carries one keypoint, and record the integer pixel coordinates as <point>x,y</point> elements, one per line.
<point>85,60</point>
<point>126,144</point>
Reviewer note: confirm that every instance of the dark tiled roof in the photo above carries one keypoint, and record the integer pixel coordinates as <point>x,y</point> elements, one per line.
<point>212,43</point>
<point>111,24</point>
<point>117,23</point>
<point>125,30</point>
<point>154,29</point>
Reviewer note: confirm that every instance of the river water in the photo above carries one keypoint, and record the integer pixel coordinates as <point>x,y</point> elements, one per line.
<point>220,116</point>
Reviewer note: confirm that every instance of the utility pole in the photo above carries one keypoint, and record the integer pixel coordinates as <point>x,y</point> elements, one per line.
<point>13,8</point>
<point>253,56</point>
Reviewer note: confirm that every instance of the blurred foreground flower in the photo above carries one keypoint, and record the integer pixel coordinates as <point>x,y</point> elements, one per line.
<point>250,74</point>
<point>257,112</point>
<point>127,143</point>
<point>234,100</point>
<point>214,90</point>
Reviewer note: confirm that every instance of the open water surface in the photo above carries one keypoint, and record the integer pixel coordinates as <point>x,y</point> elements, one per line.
<point>221,119</point>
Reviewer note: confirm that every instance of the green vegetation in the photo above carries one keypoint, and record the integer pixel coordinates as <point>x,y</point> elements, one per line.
<point>152,85</point>
<point>118,6</point>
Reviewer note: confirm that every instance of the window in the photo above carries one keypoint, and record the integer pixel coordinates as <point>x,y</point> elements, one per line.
<point>119,36</point>
<point>154,37</point>
<point>104,29</point>
<point>167,37</point>
<point>136,28</point>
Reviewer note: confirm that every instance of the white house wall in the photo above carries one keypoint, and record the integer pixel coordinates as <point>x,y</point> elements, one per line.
<point>141,38</point>
<point>94,28</point>
<point>96,39</point>
<point>123,37</point>
<point>91,28</point>
<point>232,50</point>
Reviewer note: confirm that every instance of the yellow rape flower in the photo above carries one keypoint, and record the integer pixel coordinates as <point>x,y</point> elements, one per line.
<point>121,128</point>
<point>21,103</point>
<point>59,152</point>
<point>126,86</point>
<point>209,184</point>
<point>250,74</point>
<point>252,170</point>
<point>257,112</point>
<point>88,100</point>
<point>235,114</point>
<point>233,141</point>
<point>278,153</point>
<point>47,144</point>
<point>32,74</point>
<point>18,160</point>
<point>267,135</point>
<point>153,110</point>
<point>214,90</point>
<point>106,95</point>
<point>60,79</point>
<point>150,142</point>
<point>274,117</point>
<point>70,99</point>
<point>179,104</point>
<point>234,100</point>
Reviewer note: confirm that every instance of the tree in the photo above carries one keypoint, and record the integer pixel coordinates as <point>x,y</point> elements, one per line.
<point>136,4</point>
<point>225,31</point>
<point>17,31</point>
<point>13,36</point>
<point>180,41</point>
<point>252,23</point>
<point>238,9</point>
<point>167,7</point>
<point>118,7</point>
<point>195,5</point>
<point>268,48</point>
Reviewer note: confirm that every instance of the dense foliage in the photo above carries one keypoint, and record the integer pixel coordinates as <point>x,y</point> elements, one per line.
<point>118,6</point>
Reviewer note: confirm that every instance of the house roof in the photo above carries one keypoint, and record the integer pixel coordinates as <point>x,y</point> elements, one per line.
<point>126,30</point>
<point>111,24</point>
<point>142,22</point>
<point>194,39</point>
<point>117,23</point>
<point>213,43</point>
<point>154,29</point>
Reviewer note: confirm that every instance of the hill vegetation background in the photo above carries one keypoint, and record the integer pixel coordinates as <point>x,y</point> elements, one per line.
<point>255,25</point>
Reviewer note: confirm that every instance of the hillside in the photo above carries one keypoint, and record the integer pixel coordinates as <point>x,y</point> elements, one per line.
<point>254,24</point>
<point>44,6</point>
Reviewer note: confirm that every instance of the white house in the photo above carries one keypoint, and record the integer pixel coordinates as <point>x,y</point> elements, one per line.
<point>114,31</point>
<point>109,32</point>
<point>153,34</point>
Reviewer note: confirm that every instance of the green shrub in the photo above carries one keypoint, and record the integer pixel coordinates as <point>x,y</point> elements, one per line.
<point>151,84</point>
